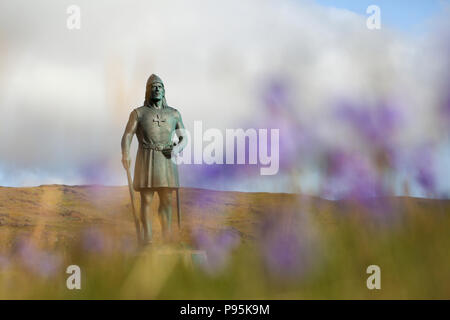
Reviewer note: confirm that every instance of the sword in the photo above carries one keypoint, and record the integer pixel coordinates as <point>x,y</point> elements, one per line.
<point>136,221</point>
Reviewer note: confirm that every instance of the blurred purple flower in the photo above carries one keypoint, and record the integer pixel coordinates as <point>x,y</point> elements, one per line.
<point>37,260</point>
<point>350,175</point>
<point>211,176</point>
<point>275,96</point>
<point>285,254</point>
<point>297,143</point>
<point>218,248</point>
<point>423,166</point>
<point>446,105</point>
<point>426,179</point>
<point>94,172</point>
<point>286,246</point>
<point>94,240</point>
<point>376,124</point>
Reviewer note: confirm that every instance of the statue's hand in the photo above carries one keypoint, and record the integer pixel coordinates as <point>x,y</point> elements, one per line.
<point>126,162</point>
<point>168,152</point>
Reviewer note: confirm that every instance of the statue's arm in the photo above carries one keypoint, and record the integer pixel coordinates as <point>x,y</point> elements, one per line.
<point>130,130</point>
<point>181,133</point>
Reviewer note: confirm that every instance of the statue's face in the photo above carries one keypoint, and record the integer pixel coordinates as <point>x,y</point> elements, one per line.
<point>157,91</point>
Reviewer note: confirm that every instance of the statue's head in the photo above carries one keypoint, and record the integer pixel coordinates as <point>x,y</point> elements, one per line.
<point>155,90</point>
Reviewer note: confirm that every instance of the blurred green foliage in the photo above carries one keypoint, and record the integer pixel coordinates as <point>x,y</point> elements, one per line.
<point>412,251</point>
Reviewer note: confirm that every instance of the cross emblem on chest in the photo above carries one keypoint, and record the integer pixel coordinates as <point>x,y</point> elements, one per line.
<point>158,120</point>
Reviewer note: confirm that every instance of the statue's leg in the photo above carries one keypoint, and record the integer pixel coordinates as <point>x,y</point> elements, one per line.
<point>165,211</point>
<point>146,217</point>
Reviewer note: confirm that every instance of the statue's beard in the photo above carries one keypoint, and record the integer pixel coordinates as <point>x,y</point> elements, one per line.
<point>157,98</point>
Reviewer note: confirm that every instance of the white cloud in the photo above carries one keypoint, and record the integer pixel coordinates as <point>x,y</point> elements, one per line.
<point>74,89</point>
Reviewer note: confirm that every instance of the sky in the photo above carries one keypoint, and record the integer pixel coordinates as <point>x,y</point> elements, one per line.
<point>65,95</point>
<point>409,16</point>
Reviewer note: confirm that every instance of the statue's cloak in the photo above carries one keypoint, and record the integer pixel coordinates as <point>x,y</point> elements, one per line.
<point>155,131</point>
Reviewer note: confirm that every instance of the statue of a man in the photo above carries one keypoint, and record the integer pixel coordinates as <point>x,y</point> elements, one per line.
<point>155,125</point>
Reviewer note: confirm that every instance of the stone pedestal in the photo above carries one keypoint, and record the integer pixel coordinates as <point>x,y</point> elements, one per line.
<point>190,257</point>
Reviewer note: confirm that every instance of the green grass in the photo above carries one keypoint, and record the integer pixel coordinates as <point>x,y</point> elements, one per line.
<point>412,249</point>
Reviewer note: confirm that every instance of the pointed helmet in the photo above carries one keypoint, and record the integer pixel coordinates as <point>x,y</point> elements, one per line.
<point>148,92</point>
<point>154,79</point>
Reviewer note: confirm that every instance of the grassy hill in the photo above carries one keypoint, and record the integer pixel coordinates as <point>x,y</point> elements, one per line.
<point>58,211</point>
<point>289,246</point>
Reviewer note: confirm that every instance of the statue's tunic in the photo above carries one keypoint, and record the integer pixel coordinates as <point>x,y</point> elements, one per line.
<point>155,130</point>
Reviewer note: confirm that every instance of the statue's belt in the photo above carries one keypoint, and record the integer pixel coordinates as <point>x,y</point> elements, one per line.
<point>156,146</point>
